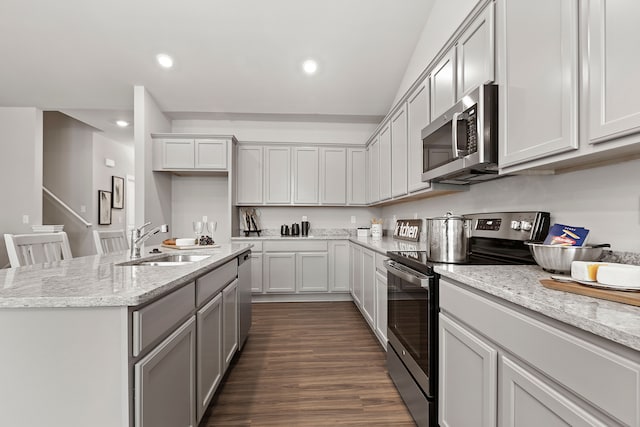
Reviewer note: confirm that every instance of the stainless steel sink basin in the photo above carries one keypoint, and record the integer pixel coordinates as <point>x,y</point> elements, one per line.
<point>167,260</point>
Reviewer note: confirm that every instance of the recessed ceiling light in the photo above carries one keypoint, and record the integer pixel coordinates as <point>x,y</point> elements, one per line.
<point>122,123</point>
<point>310,66</point>
<point>164,60</point>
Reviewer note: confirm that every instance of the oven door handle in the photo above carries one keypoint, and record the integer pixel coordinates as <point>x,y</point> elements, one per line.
<point>407,274</point>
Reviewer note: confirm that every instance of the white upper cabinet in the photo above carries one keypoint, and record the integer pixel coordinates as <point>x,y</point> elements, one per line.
<point>385,162</point>
<point>613,68</point>
<point>305,175</point>
<point>537,45</point>
<point>475,53</point>
<point>374,171</point>
<point>210,154</point>
<point>277,180</point>
<point>204,154</point>
<point>399,152</point>
<point>249,175</point>
<point>356,176</point>
<point>443,84</point>
<point>333,176</point>
<point>417,119</point>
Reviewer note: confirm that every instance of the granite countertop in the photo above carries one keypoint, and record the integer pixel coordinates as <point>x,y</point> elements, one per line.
<point>388,243</point>
<point>521,285</point>
<point>96,281</point>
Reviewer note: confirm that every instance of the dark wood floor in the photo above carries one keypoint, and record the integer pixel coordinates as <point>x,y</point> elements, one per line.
<point>308,364</point>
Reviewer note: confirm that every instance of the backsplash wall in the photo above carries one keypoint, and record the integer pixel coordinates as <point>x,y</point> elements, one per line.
<point>605,200</point>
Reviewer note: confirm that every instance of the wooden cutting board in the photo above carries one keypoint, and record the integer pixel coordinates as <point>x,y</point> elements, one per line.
<point>625,297</point>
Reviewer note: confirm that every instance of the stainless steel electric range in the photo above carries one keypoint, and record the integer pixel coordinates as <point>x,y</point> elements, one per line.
<point>412,354</point>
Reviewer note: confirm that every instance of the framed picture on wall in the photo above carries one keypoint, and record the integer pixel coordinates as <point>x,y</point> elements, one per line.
<point>104,207</point>
<point>117,190</point>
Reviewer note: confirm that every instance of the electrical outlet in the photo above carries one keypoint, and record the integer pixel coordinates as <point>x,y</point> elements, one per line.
<point>353,219</point>
<point>25,219</point>
<point>395,219</point>
<point>415,215</point>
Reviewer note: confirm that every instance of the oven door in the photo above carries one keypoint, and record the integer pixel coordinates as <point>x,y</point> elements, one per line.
<point>412,322</point>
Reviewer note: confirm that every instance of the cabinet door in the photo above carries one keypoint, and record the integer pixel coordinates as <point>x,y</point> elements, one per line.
<point>475,53</point>
<point>526,400</point>
<point>356,279</point>
<point>165,381</point>
<point>256,273</point>
<point>381,308</point>
<point>312,269</point>
<point>229,322</point>
<point>277,180</point>
<point>443,84</point>
<point>368,286</point>
<point>305,175</point>
<point>279,272</point>
<point>177,154</point>
<point>211,154</point>
<point>249,175</point>
<point>209,333</point>
<point>417,119</point>
<point>356,176</point>
<point>339,252</point>
<point>538,78</point>
<point>467,378</point>
<point>374,171</point>
<point>399,152</point>
<point>385,162</point>
<point>613,96</point>
<point>333,176</point>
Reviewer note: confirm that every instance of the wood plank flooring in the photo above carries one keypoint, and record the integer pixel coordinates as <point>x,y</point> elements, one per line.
<point>308,364</point>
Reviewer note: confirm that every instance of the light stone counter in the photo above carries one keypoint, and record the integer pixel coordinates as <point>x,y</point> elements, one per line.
<point>388,243</point>
<point>96,281</point>
<point>521,285</point>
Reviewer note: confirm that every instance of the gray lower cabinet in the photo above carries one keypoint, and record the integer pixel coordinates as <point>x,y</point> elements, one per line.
<point>356,274</point>
<point>165,381</point>
<point>230,322</point>
<point>467,377</point>
<point>381,308</point>
<point>312,272</point>
<point>279,272</point>
<point>256,272</point>
<point>368,286</point>
<point>339,265</point>
<point>547,373</point>
<point>209,351</point>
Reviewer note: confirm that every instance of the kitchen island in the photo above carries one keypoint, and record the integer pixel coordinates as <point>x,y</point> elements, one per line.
<point>89,342</point>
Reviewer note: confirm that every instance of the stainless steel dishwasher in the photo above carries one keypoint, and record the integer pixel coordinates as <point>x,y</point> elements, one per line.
<point>244,296</point>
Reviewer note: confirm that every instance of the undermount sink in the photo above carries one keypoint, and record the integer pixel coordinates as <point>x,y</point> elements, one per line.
<point>167,260</point>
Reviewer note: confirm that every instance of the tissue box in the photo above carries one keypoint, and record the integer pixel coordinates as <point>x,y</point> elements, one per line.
<point>363,232</point>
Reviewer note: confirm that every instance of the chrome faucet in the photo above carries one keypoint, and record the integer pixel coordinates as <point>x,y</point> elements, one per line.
<point>137,238</point>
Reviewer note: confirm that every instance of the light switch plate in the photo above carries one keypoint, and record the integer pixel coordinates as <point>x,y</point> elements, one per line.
<point>25,219</point>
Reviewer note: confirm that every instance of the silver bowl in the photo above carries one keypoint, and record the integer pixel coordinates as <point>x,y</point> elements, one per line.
<point>558,258</point>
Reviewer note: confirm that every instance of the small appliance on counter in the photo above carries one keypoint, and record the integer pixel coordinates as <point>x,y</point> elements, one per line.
<point>305,227</point>
<point>295,229</point>
<point>284,230</point>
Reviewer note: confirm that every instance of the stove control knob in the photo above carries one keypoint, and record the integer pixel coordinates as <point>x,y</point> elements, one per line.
<point>515,225</point>
<point>526,226</point>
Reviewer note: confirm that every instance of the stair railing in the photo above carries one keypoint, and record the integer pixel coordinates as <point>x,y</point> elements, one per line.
<point>66,207</point>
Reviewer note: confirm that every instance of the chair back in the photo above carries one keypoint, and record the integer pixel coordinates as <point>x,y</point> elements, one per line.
<point>108,241</point>
<point>37,248</point>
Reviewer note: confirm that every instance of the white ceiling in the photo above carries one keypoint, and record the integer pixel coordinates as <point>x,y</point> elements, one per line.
<point>231,56</point>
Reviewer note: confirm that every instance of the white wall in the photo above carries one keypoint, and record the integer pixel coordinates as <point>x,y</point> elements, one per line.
<point>153,202</point>
<point>123,156</point>
<point>280,131</point>
<point>195,196</point>
<point>272,217</point>
<point>444,19</point>
<point>20,171</point>
<point>68,173</point>
<point>605,200</point>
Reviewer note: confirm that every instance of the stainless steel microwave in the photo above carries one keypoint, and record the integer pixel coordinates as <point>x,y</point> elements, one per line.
<point>461,145</point>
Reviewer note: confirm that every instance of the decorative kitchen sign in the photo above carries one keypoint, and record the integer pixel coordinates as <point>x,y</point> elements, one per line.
<point>408,229</point>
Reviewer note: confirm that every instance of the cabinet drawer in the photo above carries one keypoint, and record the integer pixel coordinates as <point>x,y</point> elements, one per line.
<point>601,377</point>
<point>379,264</point>
<point>213,282</point>
<point>158,318</point>
<point>296,246</point>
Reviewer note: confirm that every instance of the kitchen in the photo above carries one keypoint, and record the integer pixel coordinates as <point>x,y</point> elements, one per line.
<point>595,188</point>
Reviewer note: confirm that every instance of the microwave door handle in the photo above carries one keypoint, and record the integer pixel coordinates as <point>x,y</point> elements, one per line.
<point>454,135</point>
